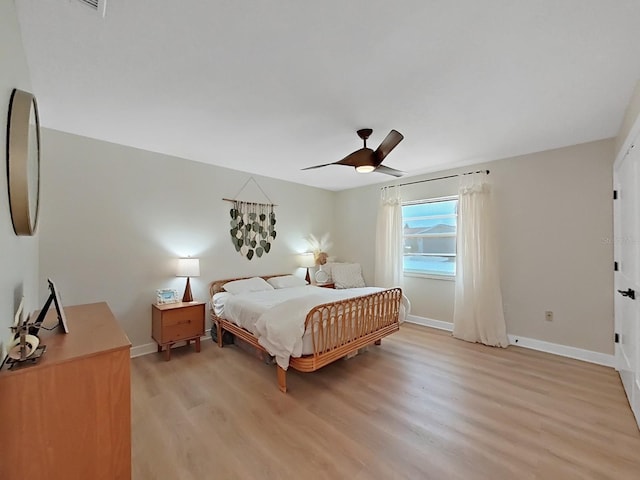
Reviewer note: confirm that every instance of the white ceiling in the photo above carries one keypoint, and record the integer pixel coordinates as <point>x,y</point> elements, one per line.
<point>272,86</point>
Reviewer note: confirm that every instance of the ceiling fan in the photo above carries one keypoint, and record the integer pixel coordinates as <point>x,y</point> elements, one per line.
<point>366,160</point>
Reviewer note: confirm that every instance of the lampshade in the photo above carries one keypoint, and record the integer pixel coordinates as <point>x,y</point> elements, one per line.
<point>188,267</point>
<point>306,260</point>
<point>365,168</point>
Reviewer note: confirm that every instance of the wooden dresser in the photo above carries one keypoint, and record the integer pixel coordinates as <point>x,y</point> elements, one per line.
<point>69,416</point>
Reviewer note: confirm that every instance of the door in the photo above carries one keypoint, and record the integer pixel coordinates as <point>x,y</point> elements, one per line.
<point>627,278</point>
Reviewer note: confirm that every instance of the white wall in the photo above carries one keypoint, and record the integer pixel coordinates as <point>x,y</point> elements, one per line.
<point>554,212</point>
<point>114,219</point>
<point>19,255</point>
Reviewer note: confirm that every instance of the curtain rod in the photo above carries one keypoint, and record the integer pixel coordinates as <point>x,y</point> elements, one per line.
<point>437,178</point>
<point>232,200</point>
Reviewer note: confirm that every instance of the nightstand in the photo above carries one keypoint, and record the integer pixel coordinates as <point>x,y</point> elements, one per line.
<point>326,285</point>
<point>176,322</point>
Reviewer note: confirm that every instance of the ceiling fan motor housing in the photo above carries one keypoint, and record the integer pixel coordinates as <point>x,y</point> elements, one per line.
<point>364,133</point>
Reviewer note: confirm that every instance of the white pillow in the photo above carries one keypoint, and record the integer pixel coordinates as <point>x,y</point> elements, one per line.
<point>218,302</point>
<point>286,281</point>
<point>255,284</point>
<point>347,275</point>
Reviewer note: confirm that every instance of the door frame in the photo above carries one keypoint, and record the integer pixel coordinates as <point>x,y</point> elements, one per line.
<point>633,137</point>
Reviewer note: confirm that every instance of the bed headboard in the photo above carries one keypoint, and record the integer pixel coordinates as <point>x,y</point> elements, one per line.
<point>217,285</point>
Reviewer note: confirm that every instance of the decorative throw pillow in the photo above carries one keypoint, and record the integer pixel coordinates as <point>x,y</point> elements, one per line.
<point>255,284</point>
<point>327,268</point>
<point>347,275</point>
<point>286,281</point>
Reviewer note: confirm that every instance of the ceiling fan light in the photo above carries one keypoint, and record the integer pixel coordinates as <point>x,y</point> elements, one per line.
<point>365,168</point>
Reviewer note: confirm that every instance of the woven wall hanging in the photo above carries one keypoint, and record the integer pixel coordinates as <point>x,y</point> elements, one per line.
<point>252,225</point>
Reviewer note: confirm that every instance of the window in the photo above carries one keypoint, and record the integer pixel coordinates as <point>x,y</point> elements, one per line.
<point>429,236</point>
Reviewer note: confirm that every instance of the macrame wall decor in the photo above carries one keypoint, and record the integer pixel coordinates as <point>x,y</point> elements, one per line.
<point>252,225</point>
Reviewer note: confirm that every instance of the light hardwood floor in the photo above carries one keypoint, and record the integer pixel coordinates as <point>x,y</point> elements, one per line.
<point>423,405</point>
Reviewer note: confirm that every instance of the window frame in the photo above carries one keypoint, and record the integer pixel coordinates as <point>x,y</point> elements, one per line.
<point>432,275</point>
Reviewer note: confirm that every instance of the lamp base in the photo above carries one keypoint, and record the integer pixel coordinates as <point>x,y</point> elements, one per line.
<point>308,277</point>
<point>187,297</point>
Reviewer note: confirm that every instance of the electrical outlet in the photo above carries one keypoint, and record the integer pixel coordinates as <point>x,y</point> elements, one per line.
<point>548,316</point>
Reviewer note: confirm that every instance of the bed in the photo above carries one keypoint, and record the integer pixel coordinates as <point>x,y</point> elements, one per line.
<point>318,325</point>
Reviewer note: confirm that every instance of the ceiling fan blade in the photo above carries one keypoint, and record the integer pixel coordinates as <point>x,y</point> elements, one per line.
<point>390,142</point>
<point>316,166</point>
<point>364,156</point>
<point>389,171</point>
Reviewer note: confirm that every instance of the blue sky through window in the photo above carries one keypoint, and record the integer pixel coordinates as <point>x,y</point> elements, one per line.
<point>414,215</point>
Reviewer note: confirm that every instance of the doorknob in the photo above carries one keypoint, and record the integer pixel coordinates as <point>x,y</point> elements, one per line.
<point>631,293</point>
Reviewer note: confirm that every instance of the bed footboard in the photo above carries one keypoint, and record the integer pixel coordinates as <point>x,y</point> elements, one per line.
<point>343,327</point>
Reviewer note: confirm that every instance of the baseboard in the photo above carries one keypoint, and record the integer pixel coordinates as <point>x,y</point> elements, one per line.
<point>429,322</point>
<point>540,345</point>
<point>147,348</point>
<point>564,350</point>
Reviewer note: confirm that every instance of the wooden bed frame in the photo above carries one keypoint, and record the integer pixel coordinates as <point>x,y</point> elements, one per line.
<point>354,323</point>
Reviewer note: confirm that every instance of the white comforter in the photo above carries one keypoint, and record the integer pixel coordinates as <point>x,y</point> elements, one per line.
<point>281,328</point>
<point>277,317</point>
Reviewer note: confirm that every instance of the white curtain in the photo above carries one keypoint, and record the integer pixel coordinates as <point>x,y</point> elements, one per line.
<point>388,259</point>
<point>478,314</point>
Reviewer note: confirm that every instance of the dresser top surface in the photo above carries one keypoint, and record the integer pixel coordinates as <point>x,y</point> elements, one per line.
<point>92,330</point>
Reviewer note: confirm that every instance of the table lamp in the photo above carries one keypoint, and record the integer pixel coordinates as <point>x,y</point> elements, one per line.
<point>188,267</point>
<point>307,260</point>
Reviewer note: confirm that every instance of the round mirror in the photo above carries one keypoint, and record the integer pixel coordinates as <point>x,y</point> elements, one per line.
<point>23,162</point>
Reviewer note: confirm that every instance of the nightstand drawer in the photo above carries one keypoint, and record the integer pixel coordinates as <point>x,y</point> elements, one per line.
<point>181,316</point>
<point>188,329</point>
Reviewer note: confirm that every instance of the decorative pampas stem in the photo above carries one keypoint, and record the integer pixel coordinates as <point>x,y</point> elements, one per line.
<point>319,246</point>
